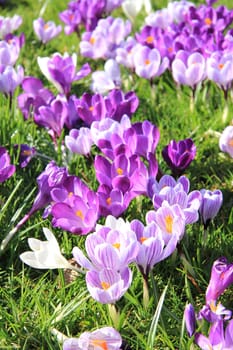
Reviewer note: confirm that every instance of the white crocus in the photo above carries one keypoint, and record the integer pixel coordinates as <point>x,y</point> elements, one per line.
<point>45,254</point>
<point>132,8</point>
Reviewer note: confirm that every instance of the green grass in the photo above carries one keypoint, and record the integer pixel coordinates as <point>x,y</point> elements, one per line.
<point>31,301</point>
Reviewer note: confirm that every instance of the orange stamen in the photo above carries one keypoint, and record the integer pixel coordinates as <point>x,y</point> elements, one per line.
<point>92,40</point>
<point>208,21</point>
<point>143,239</point>
<point>116,245</point>
<point>100,343</point>
<point>79,214</point>
<point>119,171</point>
<point>147,62</point>
<point>105,285</point>
<point>149,39</point>
<point>169,223</point>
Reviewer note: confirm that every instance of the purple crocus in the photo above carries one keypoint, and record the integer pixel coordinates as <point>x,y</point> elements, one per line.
<point>6,169</point>
<point>91,108</point>
<point>45,31</point>
<point>190,319</point>
<point>210,205</point>
<point>118,104</point>
<point>179,154</point>
<point>9,24</point>
<point>108,79</point>
<point>26,153</point>
<point>34,96</point>
<point>74,207</point>
<point>61,70</point>
<point>221,278</point>
<point>218,338</point>
<point>101,338</point>
<point>108,285</point>
<point>9,53</point>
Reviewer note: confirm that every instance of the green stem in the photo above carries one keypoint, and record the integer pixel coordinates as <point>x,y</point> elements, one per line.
<point>114,315</point>
<point>146,297</point>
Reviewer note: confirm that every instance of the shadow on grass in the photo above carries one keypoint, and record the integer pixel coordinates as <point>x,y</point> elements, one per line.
<point>12,4</point>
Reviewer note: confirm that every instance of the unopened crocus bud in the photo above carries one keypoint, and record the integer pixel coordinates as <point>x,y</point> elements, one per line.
<point>178,155</point>
<point>190,319</point>
<point>210,205</point>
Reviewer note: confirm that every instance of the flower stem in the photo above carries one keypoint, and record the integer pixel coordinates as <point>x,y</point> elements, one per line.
<point>114,315</point>
<point>146,297</point>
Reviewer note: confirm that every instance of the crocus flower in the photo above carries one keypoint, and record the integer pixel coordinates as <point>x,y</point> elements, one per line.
<point>6,169</point>
<point>45,254</point>
<point>213,312</point>
<point>210,205</point>
<point>189,69</point>
<point>219,68</point>
<point>61,70</point>
<point>91,108</point>
<point>9,53</point>
<point>45,31</point>
<point>9,24</point>
<point>226,140</point>
<point>190,319</point>
<point>132,8</point>
<point>118,104</point>
<point>178,155</point>
<point>148,62</point>
<point>218,338</point>
<point>108,285</point>
<point>152,247</point>
<point>221,278</point>
<point>10,78</point>
<point>25,154</point>
<point>102,338</point>
<point>79,141</point>
<point>109,79</point>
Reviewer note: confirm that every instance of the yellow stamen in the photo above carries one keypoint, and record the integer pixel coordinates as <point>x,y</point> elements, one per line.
<point>208,21</point>
<point>109,200</point>
<point>116,245</point>
<point>169,223</point>
<point>92,40</point>
<point>147,62</point>
<point>143,239</point>
<point>149,39</point>
<point>119,171</point>
<point>99,343</point>
<point>105,285</point>
<point>79,214</point>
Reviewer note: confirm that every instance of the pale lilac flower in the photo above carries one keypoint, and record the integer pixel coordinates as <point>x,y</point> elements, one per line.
<point>6,169</point>
<point>102,338</point>
<point>148,62</point>
<point>124,53</point>
<point>170,219</point>
<point>210,205</point>
<point>219,68</point>
<point>61,70</point>
<point>226,140</point>
<point>45,31</point>
<point>189,69</point>
<point>10,78</point>
<point>45,254</point>
<point>9,52</point>
<point>152,248</point>
<point>9,24</point>
<point>179,9</point>
<point>79,141</point>
<point>94,45</point>
<point>109,79</point>
<point>108,285</point>
<point>160,18</point>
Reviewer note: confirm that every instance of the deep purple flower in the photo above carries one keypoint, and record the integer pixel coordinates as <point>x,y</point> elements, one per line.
<point>91,108</point>
<point>117,104</point>
<point>221,278</point>
<point>178,155</point>
<point>26,153</point>
<point>33,97</point>
<point>102,338</point>
<point>6,169</point>
<point>210,205</point>
<point>45,31</point>
<point>53,117</point>
<point>214,311</point>
<point>108,285</point>
<point>190,319</point>
<point>61,70</point>
<point>112,201</point>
